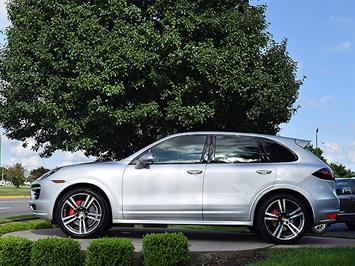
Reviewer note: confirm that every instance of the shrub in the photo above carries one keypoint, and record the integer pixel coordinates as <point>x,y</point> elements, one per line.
<point>165,249</point>
<point>110,251</point>
<point>15,251</point>
<point>56,251</point>
<point>21,226</point>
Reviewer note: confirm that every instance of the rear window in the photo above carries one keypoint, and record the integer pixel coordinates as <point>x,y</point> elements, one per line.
<point>277,153</point>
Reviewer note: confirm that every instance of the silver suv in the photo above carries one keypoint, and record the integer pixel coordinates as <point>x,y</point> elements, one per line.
<point>269,183</point>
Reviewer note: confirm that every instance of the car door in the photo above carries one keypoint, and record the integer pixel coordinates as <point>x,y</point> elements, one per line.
<point>234,176</point>
<point>346,195</point>
<point>171,187</point>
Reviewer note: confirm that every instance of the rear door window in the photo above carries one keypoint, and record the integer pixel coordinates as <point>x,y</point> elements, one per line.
<point>236,149</point>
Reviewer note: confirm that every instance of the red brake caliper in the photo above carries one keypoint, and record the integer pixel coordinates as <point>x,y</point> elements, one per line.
<point>71,210</point>
<point>275,212</point>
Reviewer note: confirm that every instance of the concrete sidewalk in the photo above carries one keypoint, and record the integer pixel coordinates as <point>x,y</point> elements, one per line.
<point>200,240</point>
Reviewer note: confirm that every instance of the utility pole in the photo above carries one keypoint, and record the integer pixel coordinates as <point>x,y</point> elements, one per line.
<point>317,138</point>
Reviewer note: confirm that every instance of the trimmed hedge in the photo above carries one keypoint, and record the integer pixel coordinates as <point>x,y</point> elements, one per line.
<point>56,251</point>
<point>167,249</point>
<point>110,251</point>
<point>21,226</point>
<point>15,251</point>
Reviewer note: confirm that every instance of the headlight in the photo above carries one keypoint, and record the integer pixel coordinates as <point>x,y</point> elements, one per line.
<point>49,173</point>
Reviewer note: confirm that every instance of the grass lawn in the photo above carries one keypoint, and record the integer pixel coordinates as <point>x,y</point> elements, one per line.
<point>4,220</point>
<point>13,191</point>
<point>307,256</point>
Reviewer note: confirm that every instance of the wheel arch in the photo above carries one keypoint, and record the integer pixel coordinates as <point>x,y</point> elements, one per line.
<point>307,203</point>
<point>81,185</point>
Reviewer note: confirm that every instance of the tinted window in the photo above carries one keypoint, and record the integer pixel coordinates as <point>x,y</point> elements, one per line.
<point>182,149</point>
<point>278,153</point>
<point>343,187</point>
<point>236,149</point>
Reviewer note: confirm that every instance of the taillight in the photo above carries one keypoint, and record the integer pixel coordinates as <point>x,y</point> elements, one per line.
<point>324,173</point>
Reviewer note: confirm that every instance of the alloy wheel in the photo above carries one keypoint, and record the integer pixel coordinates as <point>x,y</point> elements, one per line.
<point>81,213</point>
<point>284,219</point>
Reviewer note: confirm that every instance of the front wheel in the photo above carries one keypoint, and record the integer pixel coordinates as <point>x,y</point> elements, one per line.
<point>83,213</point>
<point>282,219</point>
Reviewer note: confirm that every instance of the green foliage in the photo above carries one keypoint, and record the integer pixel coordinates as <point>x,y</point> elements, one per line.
<point>108,77</point>
<point>15,174</point>
<point>165,249</point>
<point>307,257</point>
<point>339,170</point>
<point>21,226</point>
<point>56,251</point>
<point>110,251</point>
<point>36,173</point>
<point>3,173</point>
<point>14,191</point>
<point>317,152</point>
<point>15,251</point>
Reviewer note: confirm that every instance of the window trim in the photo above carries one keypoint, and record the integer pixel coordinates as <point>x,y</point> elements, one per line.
<point>206,148</point>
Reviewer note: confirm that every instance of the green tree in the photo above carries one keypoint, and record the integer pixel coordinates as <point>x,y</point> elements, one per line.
<point>15,174</point>
<point>4,171</point>
<point>108,77</point>
<point>339,170</point>
<point>317,151</point>
<point>36,173</point>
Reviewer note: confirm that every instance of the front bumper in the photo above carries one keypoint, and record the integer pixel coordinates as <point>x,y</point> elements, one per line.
<point>43,194</point>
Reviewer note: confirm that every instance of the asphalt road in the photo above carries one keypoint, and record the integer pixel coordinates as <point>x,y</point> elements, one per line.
<point>14,207</point>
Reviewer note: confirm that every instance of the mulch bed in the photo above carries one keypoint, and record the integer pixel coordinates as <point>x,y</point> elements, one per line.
<point>220,258</point>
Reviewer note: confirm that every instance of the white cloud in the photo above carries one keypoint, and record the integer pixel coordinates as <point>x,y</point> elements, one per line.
<point>342,47</point>
<point>4,22</point>
<point>342,20</point>
<point>28,158</point>
<point>335,152</point>
<point>326,99</point>
<point>319,102</point>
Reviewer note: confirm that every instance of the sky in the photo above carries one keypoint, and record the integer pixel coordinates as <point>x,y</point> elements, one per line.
<point>321,38</point>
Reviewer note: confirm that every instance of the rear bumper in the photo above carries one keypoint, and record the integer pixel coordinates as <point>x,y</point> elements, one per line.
<point>345,217</point>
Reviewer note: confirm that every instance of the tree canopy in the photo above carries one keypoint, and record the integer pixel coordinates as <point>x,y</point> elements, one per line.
<point>15,174</point>
<point>339,170</point>
<point>108,77</point>
<point>37,172</point>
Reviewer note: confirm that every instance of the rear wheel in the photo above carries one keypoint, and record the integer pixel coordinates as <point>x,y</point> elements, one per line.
<point>282,218</point>
<point>82,213</point>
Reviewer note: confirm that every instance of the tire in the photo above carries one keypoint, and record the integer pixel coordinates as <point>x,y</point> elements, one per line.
<point>351,225</point>
<point>319,229</point>
<point>282,225</point>
<point>83,213</point>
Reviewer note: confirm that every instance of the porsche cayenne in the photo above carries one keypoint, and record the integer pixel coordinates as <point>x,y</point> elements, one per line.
<point>269,183</point>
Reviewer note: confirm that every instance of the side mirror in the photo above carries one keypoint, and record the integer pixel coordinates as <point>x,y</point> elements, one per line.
<point>145,160</point>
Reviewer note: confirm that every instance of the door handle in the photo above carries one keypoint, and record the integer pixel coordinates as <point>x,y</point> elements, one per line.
<point>264,172</point>
<point>194,172</point>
